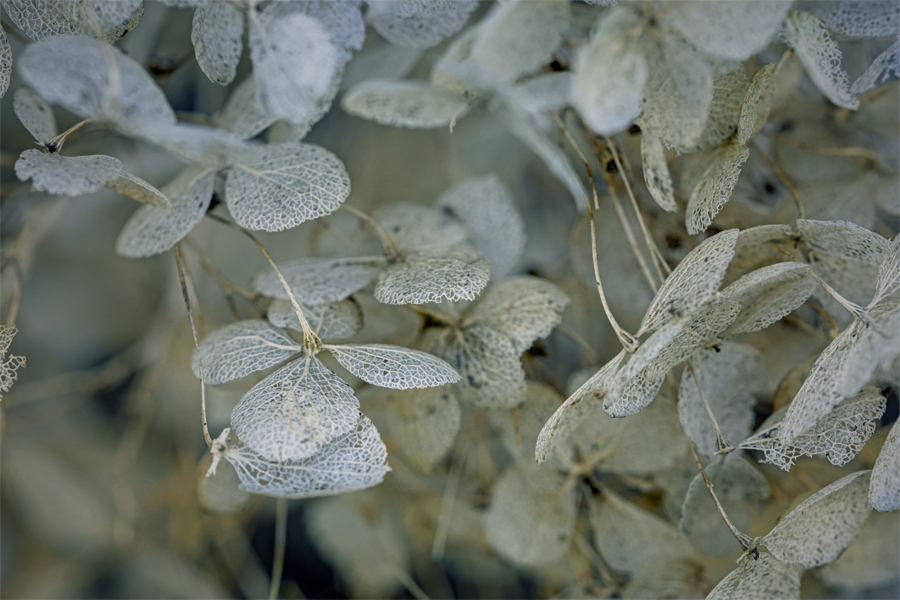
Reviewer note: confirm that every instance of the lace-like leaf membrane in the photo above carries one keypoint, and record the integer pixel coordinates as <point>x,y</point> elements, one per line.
<point>715,187</point>
<point>393,367</point>
<point>414,226</point>
<point>429,275</point>
<point>331,321</point>
<point>424,423</point>
<point>494,225</point>
<point>756,248</point>
<point>693,282</point>
<point>885,66</point>
<point>728,95</point>
<point>763,577</point>
<point>519,428</point>
<point>8,364</point>
<point>871,560</point>
<point>319,280</point>
<point>6,61</point>
<point>236,350</point>
<point>414,104</point>
<point>656,171</point>
<point>216,34</point>
<point>526,493</point>
<point>876,18</point>
<point>152,230</point>
<point>768,294</point>
<point>242,115</point>
<point>729,379</point>
<point>353,461</point>
<point>107,20</point>
<point>35,114</point>
<point>295,183</point>
<point>756,104</point>
<point>418,24</point>
<point>839,435</point>
<point>818,530</point>
<point>884,491</point>
<point>137,189</point>
<point>296,410</point>
<point>888,281</point>
<point>69,175</point>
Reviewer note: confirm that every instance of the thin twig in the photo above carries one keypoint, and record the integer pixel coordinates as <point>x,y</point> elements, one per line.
<point>281,512</point>
<point>56,144</point>
<point>784,179</point>
<point>450,489</point>
<point>721,441</point>
<point>17,293</point>
<point>390,248</point>
<point>744,539</point>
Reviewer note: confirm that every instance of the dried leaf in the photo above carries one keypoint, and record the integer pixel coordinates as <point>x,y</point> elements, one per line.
<point>871,560</point>
<point>414,104</point>
<point>35,114</point>
<point>875,18</point>
<point>242,115</point>
<point>236,350</point>
<point>216,34</point>
<point>885,66</point>
<point>768,294</point>
<point>429,275</point>
<point>756,104</point>
<point>342,20</point>
<point>319,280</point>
<point>331,321</point>
<point>8,364</point>
<point>393,366</point>
<point>759,577</point>
<point>414,226</point>
<point>419,24</point>
<point>6,61</point>
<point>220,493</point>
<point>424,424</point>
<point>213,148</point>
<point>137,189</point>
<point>69,175</point>
<point>519,428</point>
<point>656,171</point>
<point>884,491</point>
<point>105,19</point>
<point>715,187</point>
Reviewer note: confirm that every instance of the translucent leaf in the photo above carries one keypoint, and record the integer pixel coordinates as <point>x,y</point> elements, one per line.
<point>888,273</point>
<point>216,35</point>
<point>127,97</point>
<point>492,376</point>
<point>425,424</point>
<point>242,115</point>
<point>39,19</point>
<point>821,57</point>
<point>729,379</point>
<point>526,493</point>
<point>839,435</point>
<point>740,487</point>
<point>6,61</point>
<point>885,66</point>
<point>152,230</point>
<point>213,148</point>
<point>236,350</point>
<point>524,308</point>
<point>342,20</point>
<point>874,18</point>
<point>768,294</point>
<point>669,579</point>
<point>884,491</point>
<point>414,104</point>
<point>494,225</point>
<point>220,493</point>
<point>610,74</point>
<point>332,321</point>
<point>414,226</point>
<point>733,30</point>
<point>8,364</point>
<point>393,366</point>
<point>137,189</point>
<point>715,187</point>
<point>763,577</point>
<point>871,560</point>
<point>431,274</point>
<point>293,412</point>
<point>520,428</point>
<point>629,537</point>
<point>818,530</point>
<point>656,171</point>
<point>354,461</point>
<point>294,63</point>
<point>419,24</point>
<point>69,175</point>
<point>693,282</point>
<point>319,280</point>
<point>724,108</point>
<point>756,247</point>
<point>297,182</point>
<point>35,114</point>
<point>756,105</point>
<point>105,19</point>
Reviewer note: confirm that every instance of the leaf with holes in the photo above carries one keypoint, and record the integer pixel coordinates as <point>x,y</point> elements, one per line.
<point>216,35</point>
<point>414,104</point>
<point>759,577</point>
<point>429,275</point>
<point>236,350</point>
<point>330,321</point>
<point>319,280</point>
<point>418,24</point>
<point>393,366</point>
<point>68,175</point>
<point>884,491</point>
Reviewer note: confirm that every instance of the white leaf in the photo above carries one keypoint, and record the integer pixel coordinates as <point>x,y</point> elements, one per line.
<point>242,115</point>
<point>715,187</point>
<point>393,367</point>
<point>768,294</point>
<point>432,274</point>
<point>818,530</point>
<point>757,247</point>
<point>216,35</point>
<point>342,20</point>
<point>875,18</point>
<point>871,560</point>
<point>137,189</point>
<point>424,423</point>
<point>656,171</point>
<point>888,273</point>
<point>39,19</point>
<point>104,19</point>
<point>414,226</point>
<point>884,491</point>
<point>213,148</point>
<point>417,23</point>
<point>415,104</point>
<point>821,56</point>
<point>293,412</point>
<point>756,104</point>
<point>8,364</point>
<point>885,66</point>
<point>236,350</point>
<point>6,61</point>
<point>354,461</point>
<point>319,280</point>
<point>332,321</point>
<point>759,577</point>
<point>693,282</point>
<point>729,91</point>
<point>520,427</point>
<point>523,308</point>
<point>494,225</point>
<point>35,114</point>
<point>297,182</point>
<point>69,175</point>
<point>152,230</point>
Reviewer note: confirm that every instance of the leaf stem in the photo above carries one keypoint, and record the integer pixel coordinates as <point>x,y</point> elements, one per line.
<point>801,212</point>
<point>721,441</point>
<point>56,144</point>
<point>281,512</point>
<point>389,247</point>
<point>745,540</point>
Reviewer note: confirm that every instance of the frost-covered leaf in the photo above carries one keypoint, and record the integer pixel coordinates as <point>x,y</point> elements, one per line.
<point>414,104</point>
<point>528,494</point>
<point>763,577</point>
<point>35,114</point>
<point>656,171</point>
<point>294,63</point>
<point>756,104</point>
<point>693,282</point>
<point>874,18</point>
<point>424,423</point>
<point>100,82</point>
<point>354,461</point>
<point>69,175</point>
<point>319,280</point>
<point>884,491</point>
<point>715,187</point>
<point>818,530</point>
<point>8,364</point>
<point>524,308</point>
<point>242,115</point>
<point>629,537</point>
<point>393,367</point>
<point>216,34</point>
<point>885,66</point>
<point>419,23</point>
<point>414,226</point>
<point>733,30</point>
<point>821,57</point>
<point>331,321</point>
<point>152,230</point>
<point>137,189</point>
<point>6,61</point>
<point>729,379</point>
<point>295,183</point>
<point>494,225</point>
<point>768,294</point>
<point>293,412</point>
<point>429,275</point>
<point>236,350</point>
